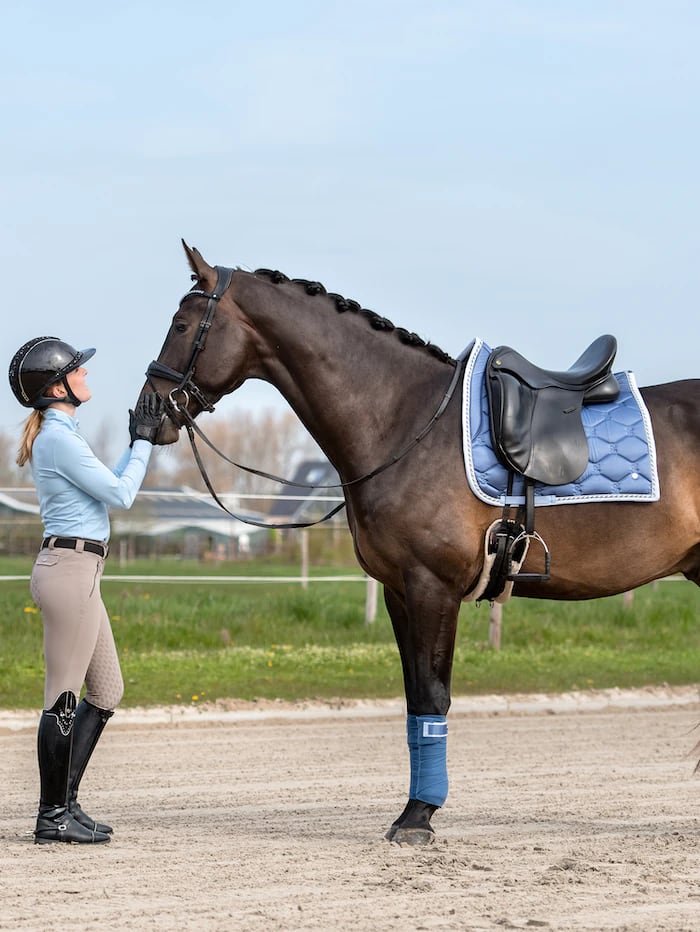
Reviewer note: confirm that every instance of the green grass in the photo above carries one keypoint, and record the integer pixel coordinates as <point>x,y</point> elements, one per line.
<point>209,640</point>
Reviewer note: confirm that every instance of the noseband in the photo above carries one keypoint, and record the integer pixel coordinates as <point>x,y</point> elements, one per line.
<point>186,387</point>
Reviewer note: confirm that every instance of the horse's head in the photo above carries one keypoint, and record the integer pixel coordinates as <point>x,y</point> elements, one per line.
<point>200,360</point>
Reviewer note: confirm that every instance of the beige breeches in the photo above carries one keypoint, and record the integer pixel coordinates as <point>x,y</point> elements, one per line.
<point>79,645</point>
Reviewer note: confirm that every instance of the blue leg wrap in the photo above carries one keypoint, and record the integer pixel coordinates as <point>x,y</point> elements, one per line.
<point>412,739</point>
<point>427,743</point>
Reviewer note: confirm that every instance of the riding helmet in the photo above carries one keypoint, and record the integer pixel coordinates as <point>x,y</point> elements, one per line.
<point>40,363</point>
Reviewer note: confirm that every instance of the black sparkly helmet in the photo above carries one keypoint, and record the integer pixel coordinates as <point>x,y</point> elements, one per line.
<point>40,363</point>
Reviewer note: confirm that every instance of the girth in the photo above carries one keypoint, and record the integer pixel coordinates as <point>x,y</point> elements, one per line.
<point>536,427</point>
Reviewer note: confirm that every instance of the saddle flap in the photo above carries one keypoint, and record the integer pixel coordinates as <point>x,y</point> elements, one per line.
<point>537,432</point>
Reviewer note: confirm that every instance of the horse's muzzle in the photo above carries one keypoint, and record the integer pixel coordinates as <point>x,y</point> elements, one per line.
<point>168,432</point>
<point>171,421</point>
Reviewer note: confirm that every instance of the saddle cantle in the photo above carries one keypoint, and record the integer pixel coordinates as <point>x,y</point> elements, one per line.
<point>536,427</point>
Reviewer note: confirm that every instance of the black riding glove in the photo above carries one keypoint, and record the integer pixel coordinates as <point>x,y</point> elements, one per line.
<point>145,420</point>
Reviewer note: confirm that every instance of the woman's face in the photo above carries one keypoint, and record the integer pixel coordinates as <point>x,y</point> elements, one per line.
<point>76,380</point>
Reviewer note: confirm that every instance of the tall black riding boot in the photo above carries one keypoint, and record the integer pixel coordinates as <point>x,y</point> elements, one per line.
<point>89,725</point>
<point>54,744</point>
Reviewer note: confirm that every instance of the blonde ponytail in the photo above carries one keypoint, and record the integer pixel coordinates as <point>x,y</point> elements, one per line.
<point>31,428</point>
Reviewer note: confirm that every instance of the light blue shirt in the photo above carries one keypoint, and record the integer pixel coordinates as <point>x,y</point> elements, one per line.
<point>75,489</point>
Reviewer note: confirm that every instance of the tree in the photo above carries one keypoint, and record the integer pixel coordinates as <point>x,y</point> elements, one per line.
<point>10,473</point>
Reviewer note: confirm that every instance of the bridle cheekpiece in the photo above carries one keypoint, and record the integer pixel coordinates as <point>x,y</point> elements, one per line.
<point>186,387</point>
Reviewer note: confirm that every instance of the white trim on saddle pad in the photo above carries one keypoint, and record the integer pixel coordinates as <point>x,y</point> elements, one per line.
<point>627,470</point>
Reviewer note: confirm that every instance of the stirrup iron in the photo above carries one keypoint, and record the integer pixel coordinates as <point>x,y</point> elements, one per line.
<point>531,577</point>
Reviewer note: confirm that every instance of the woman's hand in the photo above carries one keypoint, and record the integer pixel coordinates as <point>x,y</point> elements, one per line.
<point>146,419</point>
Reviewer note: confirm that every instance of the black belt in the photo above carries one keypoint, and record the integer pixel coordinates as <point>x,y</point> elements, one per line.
<point>71,543</point>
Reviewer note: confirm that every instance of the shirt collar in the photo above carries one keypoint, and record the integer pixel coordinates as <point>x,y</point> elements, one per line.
<point>53,414</point>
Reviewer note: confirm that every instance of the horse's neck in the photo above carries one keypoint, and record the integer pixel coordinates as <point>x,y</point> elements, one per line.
<point>359,392</point>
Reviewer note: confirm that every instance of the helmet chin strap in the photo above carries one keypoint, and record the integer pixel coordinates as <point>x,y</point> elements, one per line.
<point>71,397</point>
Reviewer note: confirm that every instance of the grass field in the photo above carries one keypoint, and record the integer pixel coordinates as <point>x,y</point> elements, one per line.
<point>194,642</point>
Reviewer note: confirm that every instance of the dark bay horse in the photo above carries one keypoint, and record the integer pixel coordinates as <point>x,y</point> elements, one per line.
<point>365,389</point>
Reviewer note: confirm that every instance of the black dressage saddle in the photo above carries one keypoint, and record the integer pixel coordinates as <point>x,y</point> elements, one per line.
<point>536,426</point>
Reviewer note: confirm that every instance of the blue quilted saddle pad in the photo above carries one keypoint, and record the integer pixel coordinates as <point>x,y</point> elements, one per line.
<point>622,455</point>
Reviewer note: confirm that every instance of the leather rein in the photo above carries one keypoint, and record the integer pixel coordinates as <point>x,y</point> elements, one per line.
<point>186,388</point>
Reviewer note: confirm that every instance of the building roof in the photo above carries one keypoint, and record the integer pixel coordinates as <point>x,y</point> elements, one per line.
<point>166,511</point>
<point>156,511</point>
<point>296,499</point>
<point>13,504</point>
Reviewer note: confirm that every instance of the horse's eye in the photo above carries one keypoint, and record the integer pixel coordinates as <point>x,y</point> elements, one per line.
<point>180,327</point>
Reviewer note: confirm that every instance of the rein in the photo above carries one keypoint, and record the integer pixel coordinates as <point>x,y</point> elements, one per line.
<point>265,524</point>
<point>187,387</point>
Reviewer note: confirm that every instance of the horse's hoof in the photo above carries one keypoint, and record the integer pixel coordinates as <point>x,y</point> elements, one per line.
<point>411,836</point>
<point>390,832</point>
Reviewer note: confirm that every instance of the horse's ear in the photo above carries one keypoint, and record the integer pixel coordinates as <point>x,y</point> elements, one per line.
<point>197,263</point>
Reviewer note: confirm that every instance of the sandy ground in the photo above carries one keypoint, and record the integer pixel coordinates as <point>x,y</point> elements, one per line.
<point>561,815</point>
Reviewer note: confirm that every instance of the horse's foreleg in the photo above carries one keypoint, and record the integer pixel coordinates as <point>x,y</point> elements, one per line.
<point>424,626</point>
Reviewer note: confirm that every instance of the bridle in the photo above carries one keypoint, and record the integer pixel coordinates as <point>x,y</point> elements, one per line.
<point>186,388</point>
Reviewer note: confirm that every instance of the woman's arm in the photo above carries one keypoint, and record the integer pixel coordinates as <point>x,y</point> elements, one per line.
<point>74,459</point>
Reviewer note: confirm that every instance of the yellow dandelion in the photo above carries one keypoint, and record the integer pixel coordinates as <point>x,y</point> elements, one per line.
<point>195,698</point>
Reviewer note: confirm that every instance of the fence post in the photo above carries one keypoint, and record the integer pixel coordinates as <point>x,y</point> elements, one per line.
<point>304,539</point>
<point>495,614</point>
<point>370,600</point>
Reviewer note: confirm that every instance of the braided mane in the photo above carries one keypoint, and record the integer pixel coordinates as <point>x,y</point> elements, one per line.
<point>347,304</point>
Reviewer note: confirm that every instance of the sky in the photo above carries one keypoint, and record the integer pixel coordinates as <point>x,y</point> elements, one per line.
<point>526,172</point>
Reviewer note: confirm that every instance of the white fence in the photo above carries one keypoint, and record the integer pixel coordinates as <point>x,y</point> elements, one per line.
<point>303,579</point>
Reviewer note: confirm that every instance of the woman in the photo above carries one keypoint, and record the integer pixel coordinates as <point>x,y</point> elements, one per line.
<point>75,491</point>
